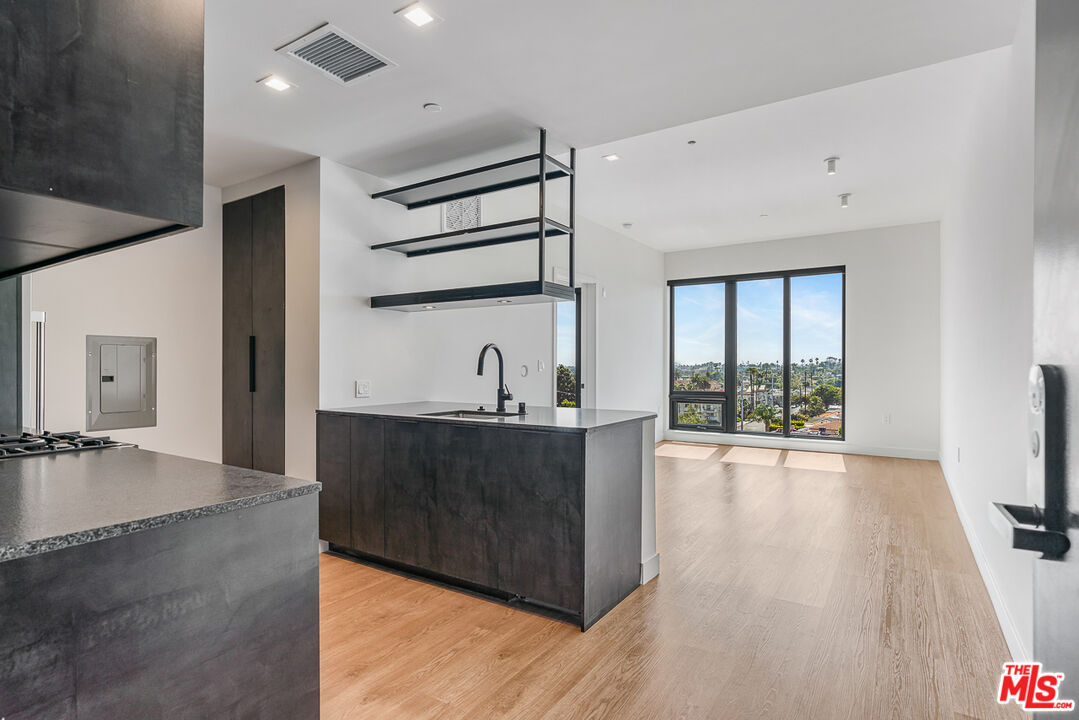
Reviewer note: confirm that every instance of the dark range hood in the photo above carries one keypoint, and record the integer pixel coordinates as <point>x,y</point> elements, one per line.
<point>101,124</point>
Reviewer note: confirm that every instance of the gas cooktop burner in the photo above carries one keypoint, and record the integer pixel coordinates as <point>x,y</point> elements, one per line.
<point>47,443</point>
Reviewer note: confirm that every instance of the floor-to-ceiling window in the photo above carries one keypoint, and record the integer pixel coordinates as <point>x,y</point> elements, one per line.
<point>698,356</point>
<point>759,406</point>
<point>816,332</point>
<point>567,378</point>
<point>759,353</point>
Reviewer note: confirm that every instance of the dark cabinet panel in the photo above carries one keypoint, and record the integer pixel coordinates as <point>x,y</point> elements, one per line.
<point>216,617</point>
<point>612,548</point>
<point>368,495</point>
<point>539,478</point>
<point>268,329</point>
<point>411,462</point>
<point>11,355</point>
<point>236,333</point>
<point>253,332</point>
<point>465,537</point>
<point>333,468</point>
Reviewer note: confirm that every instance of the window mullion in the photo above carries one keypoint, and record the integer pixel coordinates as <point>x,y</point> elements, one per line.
<point>786,356</point>
<point>730,360</point>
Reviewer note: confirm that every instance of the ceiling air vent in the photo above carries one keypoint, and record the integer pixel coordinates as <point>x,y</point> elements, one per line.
<point>336,54</point>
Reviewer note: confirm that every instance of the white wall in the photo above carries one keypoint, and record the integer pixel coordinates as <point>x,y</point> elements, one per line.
<point>356,342</point>
<point>169,289</point>
<point>892,330</point>
<point>986,329</point>
<point>301,306</point>
<point>414,356</point>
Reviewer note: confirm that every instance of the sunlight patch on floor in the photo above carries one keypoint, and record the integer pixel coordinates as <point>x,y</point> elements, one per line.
<point>829,462</point>
<point>752,456</point>
<point>686,452</point>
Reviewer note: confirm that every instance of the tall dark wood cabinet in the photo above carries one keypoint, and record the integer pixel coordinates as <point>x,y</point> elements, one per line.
<point>101,126</point>
<point>253,327</point>
<point>10,355</point>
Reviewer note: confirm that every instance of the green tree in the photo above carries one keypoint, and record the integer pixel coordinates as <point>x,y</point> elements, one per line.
<point>691,415</point>
<point>566,386</point>
<point>766,414</point>
<point>815,406</point>
<point>699,381</point>
<point>829,394</point>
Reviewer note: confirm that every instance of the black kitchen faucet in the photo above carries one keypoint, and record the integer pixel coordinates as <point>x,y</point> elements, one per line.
<point>503,391</point>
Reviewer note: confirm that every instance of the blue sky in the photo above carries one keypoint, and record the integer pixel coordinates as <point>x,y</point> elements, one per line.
<point>816,320</point>
<point>567,318</point>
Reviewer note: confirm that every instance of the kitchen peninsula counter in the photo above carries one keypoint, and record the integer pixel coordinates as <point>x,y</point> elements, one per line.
<point>135,584</point>
<point>549,509</point>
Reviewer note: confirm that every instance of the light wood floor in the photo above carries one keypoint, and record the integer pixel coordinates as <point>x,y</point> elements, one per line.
<point>792,585</point>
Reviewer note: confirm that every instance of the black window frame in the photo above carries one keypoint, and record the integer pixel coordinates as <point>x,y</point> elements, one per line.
<point>730,350</point>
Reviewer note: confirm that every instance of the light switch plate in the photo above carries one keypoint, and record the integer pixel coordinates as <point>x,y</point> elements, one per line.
<point>363,388</point>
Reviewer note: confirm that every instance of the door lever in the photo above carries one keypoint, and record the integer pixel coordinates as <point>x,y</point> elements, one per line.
<point>1022,522</point>
<point>1042,529</point>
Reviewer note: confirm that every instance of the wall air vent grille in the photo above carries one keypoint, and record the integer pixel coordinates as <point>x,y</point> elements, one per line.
<point>336,55</point>
<point>461,214</point>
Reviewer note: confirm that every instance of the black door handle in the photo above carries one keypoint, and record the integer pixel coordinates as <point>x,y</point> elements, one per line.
<point>1025,521</point>
<point>251,363</point>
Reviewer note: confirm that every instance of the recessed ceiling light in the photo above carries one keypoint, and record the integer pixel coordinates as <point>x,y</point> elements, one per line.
<point>612,157</point>
<point>844,200</point>
<point>829,164</point>
<point>504,302</point>
<point>432,107</point>
<point>764,215</point>
<point>627,226</point>
<point>417,14</point>
<point>429,307</point>
<point>691,142</point>
<point>275,83</point>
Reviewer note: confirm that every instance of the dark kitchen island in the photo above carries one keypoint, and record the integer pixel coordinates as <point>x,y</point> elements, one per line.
<point>140,585</point>
<point>543,509</point>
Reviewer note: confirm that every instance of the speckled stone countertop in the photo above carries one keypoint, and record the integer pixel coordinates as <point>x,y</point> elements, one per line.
<point>538,418</point>
<point>50,502</point>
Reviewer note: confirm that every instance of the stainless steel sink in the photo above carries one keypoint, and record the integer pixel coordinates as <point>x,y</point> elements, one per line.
<point>472,414</point>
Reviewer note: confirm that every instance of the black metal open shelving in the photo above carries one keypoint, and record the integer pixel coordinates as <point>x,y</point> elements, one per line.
<point>519,293</point>
<point>501,233</point>
<point>530,169</point>
<point>478,181</point>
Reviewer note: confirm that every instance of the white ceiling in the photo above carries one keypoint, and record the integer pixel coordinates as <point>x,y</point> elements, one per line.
<point>899,139</point>
<point>591,72</point>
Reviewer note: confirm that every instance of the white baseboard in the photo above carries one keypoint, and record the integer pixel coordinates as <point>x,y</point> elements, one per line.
<point>1007,624</point>
<point>323,546</point>
<point>835,446</point>
<point>649,568</point>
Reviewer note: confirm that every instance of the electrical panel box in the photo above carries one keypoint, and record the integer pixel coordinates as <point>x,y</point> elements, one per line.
<point>121,382</point>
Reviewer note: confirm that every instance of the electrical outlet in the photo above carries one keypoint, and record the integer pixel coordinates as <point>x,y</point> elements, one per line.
<point>887,419</point>
<point>957,458</point>
<point>363,388</point>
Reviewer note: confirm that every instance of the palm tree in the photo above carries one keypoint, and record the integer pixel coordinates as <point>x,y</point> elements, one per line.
<point>766,414</point>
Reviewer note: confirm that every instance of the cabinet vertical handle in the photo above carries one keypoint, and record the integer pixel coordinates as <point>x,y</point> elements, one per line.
<point>251,363</point>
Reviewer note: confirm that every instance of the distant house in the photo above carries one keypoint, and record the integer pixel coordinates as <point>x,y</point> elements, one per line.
<point>823,427</point>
